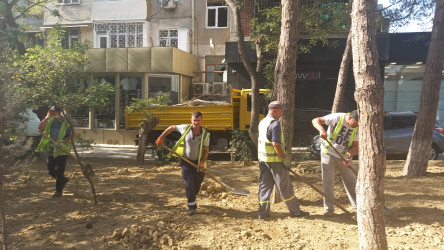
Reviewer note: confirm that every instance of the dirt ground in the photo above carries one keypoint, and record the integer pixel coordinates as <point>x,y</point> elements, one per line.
<point>144,207</point>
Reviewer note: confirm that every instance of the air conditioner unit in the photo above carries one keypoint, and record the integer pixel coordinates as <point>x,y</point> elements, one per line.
<point>168,4</point>
<point>200,88</point>
<point>219,88</point>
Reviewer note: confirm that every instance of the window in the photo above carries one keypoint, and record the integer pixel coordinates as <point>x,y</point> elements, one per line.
<point>80,116</point>
<point>214,64</point>
<point>130,87</point>
<point>119,35</point>
<point>217,15</point>
<point>72,36</point>
<point>106,118</point>
<point>164,84</point>
<point>168,38</point>
<point>68,1</point>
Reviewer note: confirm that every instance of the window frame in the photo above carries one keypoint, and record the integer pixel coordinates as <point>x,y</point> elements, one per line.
<point>168,38</point>
<point>216,17</point>
<point>68,2</point>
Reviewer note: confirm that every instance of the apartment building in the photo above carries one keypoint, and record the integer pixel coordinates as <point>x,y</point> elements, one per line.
<point>146,48</point>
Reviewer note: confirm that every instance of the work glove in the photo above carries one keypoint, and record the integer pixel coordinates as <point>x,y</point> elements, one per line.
<point>287,163</point>
<point>159,141</point>
<point>202,166</point>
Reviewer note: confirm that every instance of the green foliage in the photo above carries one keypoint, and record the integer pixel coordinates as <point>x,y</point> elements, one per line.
<point>402,12</point>
<point>161,153</point>
<point>240,146</point>
<point>319,21</point>
<point>53,75</point>
<point>82,143</point>
<point>150,103</point>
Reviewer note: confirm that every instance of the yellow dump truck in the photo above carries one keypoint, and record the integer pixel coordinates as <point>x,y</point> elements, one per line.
<point>218,118</point>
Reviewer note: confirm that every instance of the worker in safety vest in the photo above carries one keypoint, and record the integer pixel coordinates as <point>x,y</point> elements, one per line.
<point>55,126</point>
<point>274,164</point>
<point>194,145</point>
<point>342,133</point>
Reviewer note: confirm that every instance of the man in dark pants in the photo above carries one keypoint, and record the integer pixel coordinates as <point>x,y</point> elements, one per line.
<point>194,145</point>
<point>55,126</point>
<point>274,163</point>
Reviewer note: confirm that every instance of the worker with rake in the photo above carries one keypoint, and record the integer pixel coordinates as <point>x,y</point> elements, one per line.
<point>340,138</point>
<point>193,145</point>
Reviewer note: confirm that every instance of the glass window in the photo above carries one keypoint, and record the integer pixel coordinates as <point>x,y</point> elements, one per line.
<point>217,14</point>
<point>106,118</point>
<point>119,35</point>
<point>68,1</point>
<point>214,64</point>
<point>164,84</point>
<point>130,87</point>
<point>80,117</point>
<point>72,36</point>
<point>168,38</point>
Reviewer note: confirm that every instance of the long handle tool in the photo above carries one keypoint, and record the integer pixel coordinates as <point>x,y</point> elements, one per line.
<point>337,152</point>
<point>320,192</point>
<point>228,188</point>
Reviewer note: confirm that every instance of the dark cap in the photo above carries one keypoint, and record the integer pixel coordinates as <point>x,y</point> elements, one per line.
<point>276,105</point>
<point>55,108</point>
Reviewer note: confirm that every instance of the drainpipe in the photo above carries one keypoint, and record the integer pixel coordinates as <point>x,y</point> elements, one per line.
<point>192,45</point>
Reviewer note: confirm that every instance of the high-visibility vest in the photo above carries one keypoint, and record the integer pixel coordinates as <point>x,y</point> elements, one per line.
<point>266,151</point>
<point>179,147</point>
<point>336,132</point>
<point>45,143</point>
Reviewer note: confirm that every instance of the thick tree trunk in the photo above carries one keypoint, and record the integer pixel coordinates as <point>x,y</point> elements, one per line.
<point>285,71</point>
<point>144,128</point>
<point>417,158</point>
<point>370,97</point>
<point>254,122</point>
<point>342,76</point>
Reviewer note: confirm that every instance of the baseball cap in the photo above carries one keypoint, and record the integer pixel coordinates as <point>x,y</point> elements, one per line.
<point>55,108</point>
<point>276,105</point>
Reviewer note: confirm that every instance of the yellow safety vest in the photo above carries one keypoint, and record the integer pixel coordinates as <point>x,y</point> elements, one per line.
<point>179,147</point>
<point>336,132</point>
<point>45,143</point>
<point>266,151</point>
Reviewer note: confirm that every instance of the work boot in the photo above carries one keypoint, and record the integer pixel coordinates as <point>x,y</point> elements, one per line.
<point>300,214</point>
<point>329,212</point>
<point>263,216</point>
<point>57,194</point>
<point>191,211</point>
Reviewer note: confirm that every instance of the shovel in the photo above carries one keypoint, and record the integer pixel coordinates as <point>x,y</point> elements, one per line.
<point>228,188</point>
<point>319,191</point>
<point>337,152</point>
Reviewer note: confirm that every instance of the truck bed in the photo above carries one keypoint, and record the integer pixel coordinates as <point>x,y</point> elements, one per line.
<point>215,117</point>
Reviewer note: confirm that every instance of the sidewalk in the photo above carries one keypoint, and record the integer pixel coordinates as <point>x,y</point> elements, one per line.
<point>114,151</point>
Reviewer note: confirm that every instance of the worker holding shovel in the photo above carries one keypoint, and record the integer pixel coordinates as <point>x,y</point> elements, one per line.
<point>193,145</point>
<point>274,163</point>
<point>341,138</point>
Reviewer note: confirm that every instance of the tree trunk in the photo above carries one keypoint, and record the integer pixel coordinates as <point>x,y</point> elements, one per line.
<point>144,128</point>
<point>285,71</point>
<point>252,72</point>
<point>342,76</point>
<point>417,158</point>
<point>369,95</point>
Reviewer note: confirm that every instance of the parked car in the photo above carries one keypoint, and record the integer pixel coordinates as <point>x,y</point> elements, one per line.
<point>398,131</point>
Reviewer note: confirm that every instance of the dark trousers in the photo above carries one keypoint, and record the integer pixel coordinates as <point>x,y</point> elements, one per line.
<point>56,168</point>
<point>192,180</point>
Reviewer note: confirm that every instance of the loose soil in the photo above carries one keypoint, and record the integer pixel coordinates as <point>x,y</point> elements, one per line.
<point>144,207</point>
